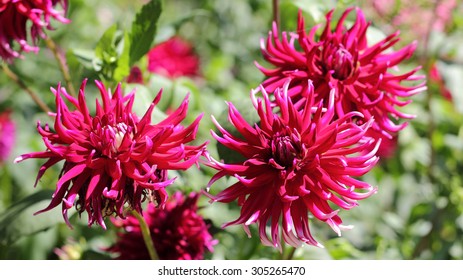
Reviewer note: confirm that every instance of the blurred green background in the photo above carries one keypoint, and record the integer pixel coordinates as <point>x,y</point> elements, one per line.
<point>418,210</point>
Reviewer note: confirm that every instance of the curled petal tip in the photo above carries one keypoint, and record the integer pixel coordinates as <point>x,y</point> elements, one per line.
<point>19,159</point>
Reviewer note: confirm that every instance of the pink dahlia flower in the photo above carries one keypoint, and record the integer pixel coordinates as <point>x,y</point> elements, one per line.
<point>173,58</point>
<point>7,135</point>
<point>177,230</point>
<point>298,163</point>
<point>113,158</point>
<point>342,58</point>
<point>15,18</point>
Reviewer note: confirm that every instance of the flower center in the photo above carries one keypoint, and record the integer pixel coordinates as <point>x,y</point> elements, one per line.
<point>115,135</point>
<point>285,150</point>
<point>339,60</point>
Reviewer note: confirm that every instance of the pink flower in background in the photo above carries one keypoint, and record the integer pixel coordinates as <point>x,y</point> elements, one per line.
<point>412,15</point>
<point>173,58</point>
<point>15,18</point>
<point>362,74</point>
<point>177,230</point>
<point>7,135</point>
<point>297,163</point>
<point>113,158</point>
<point>383,7</point>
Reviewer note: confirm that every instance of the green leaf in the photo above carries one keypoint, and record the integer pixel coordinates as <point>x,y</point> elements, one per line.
<point>83,56</point>
<point>144,29</point>
<point>340,248</point>
<point>123,66</point>
<point>105,44</point>
<point>143,99</point>
<point>315,9</point>
<point>19,220</point>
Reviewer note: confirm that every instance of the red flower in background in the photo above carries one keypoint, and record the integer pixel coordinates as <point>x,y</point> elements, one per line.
<point>297,163</point>
<point>173,58</point>
<point>436,77</point>
<point>7,135</point>
<point>342,58</point>
<point>113,158</point>
<point>17,15</point>
<point>135,76</point>
<point>177,230</point>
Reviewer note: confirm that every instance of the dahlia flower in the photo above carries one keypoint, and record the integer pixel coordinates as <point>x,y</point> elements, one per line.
<point>173,58</point>
<point>177,230</point>
<point>15,18</point>
<point>342,58</point>
<point>7,135</point>
<point>298,164</point>
<point>113,158</point>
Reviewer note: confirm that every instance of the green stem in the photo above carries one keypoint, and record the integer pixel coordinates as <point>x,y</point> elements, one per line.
<point>145,231</point>
<point>23,86</point>
<point>62,65</point>
<point>276,12</point>
<point>291,253</point>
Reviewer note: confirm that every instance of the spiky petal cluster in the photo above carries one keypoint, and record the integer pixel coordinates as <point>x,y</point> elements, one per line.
<point>297,163</point>
<point>15,18</point>
<point>342,58</point>
<point>173,58</point>
<point>7,135</point>
<point>113,158</point>
<point>178,231</point>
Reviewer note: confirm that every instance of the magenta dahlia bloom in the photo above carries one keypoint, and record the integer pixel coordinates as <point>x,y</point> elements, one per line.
<point>173,58</point>
<point>113,158</point>
<point>363,74</point>
<point>177,230</point>
<point>16,16</point>
<point>7,135</point>
<point>298,164</point>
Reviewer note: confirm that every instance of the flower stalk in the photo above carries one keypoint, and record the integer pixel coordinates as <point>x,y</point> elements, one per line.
<point>145,231</point>
<point>62,65</point>
<point>276,12</point>
<point>291,253</point>
<point>23,86</point>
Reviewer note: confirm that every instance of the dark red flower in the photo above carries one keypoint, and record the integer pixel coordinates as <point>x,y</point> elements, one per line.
<point>173,58</point>
<point>363,74</point>
<point>135,76</point>
<point>296,163</point>
<point>15,18</point>
<point>177,230</point>
<point>113,159</point>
